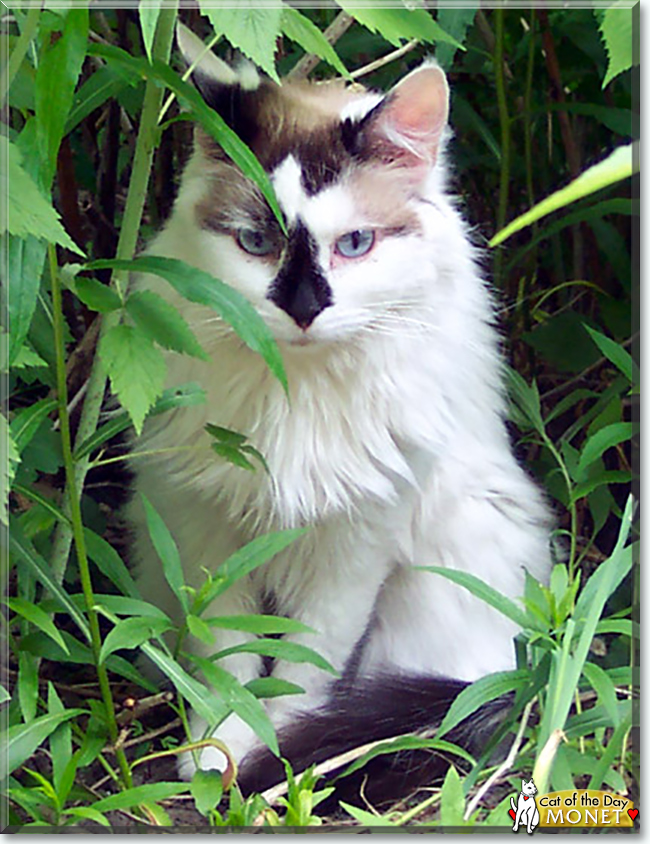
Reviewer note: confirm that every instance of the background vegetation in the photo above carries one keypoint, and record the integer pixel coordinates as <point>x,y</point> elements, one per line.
<point>96,126</point>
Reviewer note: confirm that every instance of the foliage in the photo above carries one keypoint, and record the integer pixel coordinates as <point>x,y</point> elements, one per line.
<point>91,96</point>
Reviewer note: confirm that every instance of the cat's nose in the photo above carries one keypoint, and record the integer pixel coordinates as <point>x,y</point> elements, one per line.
<point>304,306</point>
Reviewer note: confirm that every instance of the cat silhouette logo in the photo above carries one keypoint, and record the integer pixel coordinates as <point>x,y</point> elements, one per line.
<point>525,811</point>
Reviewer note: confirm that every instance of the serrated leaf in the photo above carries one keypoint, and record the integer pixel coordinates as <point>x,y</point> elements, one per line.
<point>167,551</point>
<point>163,323</point>
<point>250,28</point>
<point>240,700</point>
<point>202,288</point>
<point>299,28</point>
<point>616,32</point>
<point>9,460</point>
<point>617,166</point>
<point>597,445</point>
<point>97,296</point>
<point>455,22</point>
<point>37,617</point>
<point>137,370</point>
<point>27,211</point>
<point>400,24</point>
<point>130,633</point>
<point>206,788</point>
<point>148,10</point>
<point>56,78</point>
<point>26,357</point>
<point>23,259</point>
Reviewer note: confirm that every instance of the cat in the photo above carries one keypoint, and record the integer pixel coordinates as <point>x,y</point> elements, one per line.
<point>526,811</point>
<point>392,450</point>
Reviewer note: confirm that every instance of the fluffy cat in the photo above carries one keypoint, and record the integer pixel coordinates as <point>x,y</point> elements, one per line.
<point>393,449</point>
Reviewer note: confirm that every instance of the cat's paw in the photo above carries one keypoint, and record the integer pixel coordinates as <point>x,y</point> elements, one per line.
<point>234,733</point>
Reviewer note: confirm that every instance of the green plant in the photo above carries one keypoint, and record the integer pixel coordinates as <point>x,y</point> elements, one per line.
<point>92,110</point>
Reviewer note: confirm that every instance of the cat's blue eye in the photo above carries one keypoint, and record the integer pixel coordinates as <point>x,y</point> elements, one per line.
<point>256,242</point>
<point>355,244</point>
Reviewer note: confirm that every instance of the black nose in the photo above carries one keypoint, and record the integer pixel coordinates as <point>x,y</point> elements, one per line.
<point>300,288</point>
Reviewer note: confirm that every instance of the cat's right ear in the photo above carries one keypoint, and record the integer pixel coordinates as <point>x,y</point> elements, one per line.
<point>220,85</point>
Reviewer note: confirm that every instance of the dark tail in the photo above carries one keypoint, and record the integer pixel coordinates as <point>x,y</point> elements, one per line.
<point>374,710</point>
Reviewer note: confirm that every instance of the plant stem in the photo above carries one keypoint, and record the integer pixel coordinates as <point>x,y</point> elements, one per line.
<point>504,120</point>
<point>75,510</point>
<point>143,157</point>
<point>20,50</point>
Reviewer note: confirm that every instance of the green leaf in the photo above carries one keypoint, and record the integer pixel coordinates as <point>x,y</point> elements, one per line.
<point>562,342</point>
<point>602,684</point>
<point>202,288</point>
<point>366,818</point>
<point>615,476</point>
<point>249,28</point>
<point>21,741</point>
<point>139,794</point>
<point>9,460</point>
<point>620,164</point>
<point>23,549</point>
<point>615,353</point>
<point>27,211</point>
<point>257,552</point>
<point>4,695</point>
<point>206,788</point>
<point>28,420</point>
<point>56,79</point>
<point>616,32</point>
<point>109,562</point>
<point>607,437</point>
<point>241,701</point>
<point>161,322</point>
<point>260,624</point>
<point>130,633</point>
<point>23,259</point>
<point>200,630</point>
<point>149,12</point>
<point>137,370</point>
<point>479,693</point>
<point>299,28</point>
<point>37,617</point>
<point>104,83</point>
<point>188,395</point>
<point>202,700</point>
<point>398,24</point>
<point>27,685</point>
<point>233,455</point>
<point>167,551</point>
<point>486,593</point>
<point>225,435</point>
<point>525,398</point>
<point>456,22</point>
<point>60,747</point>
<point>120,605</point>
<point>88,813</point>
<point>452,800</point>
<point>97,296</point>
<point>279,649</point>
<point>267,687</point>
<point>407,743</point>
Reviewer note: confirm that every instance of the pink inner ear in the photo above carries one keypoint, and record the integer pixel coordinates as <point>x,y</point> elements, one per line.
<point>417,111</point>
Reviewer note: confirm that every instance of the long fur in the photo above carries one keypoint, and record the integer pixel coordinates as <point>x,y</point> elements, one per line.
<point>392,449</point>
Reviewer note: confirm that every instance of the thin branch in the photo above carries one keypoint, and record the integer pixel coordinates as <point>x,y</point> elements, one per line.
<point>387,59</point>
<point>341,23</point>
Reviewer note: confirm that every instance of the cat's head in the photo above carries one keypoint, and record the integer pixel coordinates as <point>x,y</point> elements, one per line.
<point>528,788</point>
<point>351,170</point>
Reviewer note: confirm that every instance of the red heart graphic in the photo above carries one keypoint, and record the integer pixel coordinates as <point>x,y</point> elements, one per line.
<point>511,812</point>
<point>633,813</point>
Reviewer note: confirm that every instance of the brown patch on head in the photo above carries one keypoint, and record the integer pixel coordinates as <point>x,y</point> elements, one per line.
<point>301,119</point>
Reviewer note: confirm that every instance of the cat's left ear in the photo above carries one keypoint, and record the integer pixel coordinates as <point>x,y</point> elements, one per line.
<point>405,129</point>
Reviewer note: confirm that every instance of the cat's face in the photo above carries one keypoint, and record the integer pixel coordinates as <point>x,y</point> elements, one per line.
<point>528,788</point>
<point>349,169</point>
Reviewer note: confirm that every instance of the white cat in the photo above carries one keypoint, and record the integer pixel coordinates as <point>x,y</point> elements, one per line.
<point>526,811</point>
<point>393,449</point>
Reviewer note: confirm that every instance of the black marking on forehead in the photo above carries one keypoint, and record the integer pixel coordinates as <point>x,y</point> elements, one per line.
<point>300,288</point>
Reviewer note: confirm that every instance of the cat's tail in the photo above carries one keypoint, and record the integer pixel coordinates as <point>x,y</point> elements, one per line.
<point>375,710</point>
